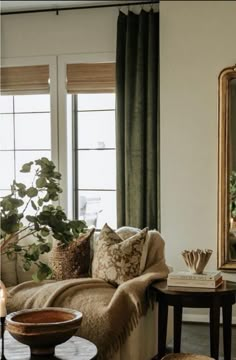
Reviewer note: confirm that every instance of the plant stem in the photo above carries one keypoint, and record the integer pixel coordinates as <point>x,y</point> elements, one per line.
<point>15,235</point>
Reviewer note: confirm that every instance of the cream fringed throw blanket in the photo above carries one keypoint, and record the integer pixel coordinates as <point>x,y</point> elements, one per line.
<point>109,314</point>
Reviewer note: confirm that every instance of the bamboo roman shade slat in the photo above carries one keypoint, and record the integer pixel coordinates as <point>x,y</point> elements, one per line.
<point>90,78</point>
<point>24,79</point>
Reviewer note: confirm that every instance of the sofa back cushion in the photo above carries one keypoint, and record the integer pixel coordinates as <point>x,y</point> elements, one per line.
<point>21,274</point>
<point>12,271</point>
<point>8,268</point>
<point>117,260</point>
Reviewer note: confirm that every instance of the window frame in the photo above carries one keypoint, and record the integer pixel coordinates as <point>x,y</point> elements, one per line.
<point>52,63</point>
<point>66,127</point>
<point>61,126</point>
<point>76,151</point>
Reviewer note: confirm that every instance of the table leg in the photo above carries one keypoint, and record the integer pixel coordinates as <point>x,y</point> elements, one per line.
<point>214,328</point>
<point>227,330</point>
<point>162,327</point>
<point>177,327</point>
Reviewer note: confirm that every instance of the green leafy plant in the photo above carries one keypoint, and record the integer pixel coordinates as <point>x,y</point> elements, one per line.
<point>48,220</point>
<point>232,194</point>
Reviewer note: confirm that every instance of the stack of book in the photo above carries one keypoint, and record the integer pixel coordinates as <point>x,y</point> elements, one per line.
<point>208,279</point>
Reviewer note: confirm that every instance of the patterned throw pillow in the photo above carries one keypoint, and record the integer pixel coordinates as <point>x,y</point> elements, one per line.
<point>72,261</point>
<point>117,260</point>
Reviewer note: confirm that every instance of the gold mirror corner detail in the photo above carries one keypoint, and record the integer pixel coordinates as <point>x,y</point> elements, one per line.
<point>227,169</point>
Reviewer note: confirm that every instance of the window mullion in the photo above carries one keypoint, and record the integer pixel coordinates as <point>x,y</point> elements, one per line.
<point>75,155</point>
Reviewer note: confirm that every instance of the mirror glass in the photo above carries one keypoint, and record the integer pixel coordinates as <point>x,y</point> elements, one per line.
<point>227,170</point>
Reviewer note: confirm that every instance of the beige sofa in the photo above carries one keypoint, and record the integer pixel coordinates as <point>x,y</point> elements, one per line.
<point>141,344</point>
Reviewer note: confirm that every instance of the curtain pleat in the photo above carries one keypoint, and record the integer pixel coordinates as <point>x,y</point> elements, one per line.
<point>137,119</point>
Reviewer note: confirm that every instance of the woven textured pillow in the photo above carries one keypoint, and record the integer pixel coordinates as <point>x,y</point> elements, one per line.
<point>72,261</point>
<point>117,260</point>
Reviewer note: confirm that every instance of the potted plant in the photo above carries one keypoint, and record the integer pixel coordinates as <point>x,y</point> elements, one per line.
<point>48,220</point>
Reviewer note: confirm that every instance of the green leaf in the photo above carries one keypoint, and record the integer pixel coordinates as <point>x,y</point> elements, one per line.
<point>32,192</point>
<point>10,224</point>
<point>45,232</point>
<point>44,272</point>
<point>57,175</point>
<point>46,198</point>
<point>11,203</point>
<point>16,202</point>
<point>34,205</point>
<point>27,265</point>
<point>40,202</point>
<point>26,167</point>
<point>54,197</point>
<point>32,252</point>
<point>44,248</point>
<point>41,182</point>
<point>21,192</point>
<point>6,205</point>
<point>36,226</point>
<point>20,185</point>
<point>31,218</point>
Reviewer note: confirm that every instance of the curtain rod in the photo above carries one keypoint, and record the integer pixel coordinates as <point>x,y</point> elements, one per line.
<point>57,10</point>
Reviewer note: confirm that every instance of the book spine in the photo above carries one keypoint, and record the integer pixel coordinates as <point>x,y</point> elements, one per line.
<point>196,283</point>
<point>195,277</point>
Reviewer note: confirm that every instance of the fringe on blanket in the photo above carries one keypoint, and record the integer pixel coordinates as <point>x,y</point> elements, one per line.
<point>126,330</point>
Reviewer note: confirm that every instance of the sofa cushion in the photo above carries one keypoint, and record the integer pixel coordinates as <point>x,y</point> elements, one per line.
<point>8,268</point>
<point>117,260</point>
<point>127,231</point>
<point>72,261</point>
<point>21,274</point>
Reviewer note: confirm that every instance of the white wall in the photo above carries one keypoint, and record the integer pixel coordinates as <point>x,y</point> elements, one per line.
<point>71,36</point>
<point>197,42</point>
<point>70,32</point>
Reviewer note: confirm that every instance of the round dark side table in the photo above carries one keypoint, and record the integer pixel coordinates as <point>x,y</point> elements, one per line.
<point>214,299</point>
<point>76,348</point>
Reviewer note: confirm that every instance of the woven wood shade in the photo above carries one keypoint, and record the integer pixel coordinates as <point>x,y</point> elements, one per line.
<point>24,79</point>
<point>90,78</point>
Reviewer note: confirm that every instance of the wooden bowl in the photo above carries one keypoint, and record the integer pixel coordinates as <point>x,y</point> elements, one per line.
<point>43,329</point>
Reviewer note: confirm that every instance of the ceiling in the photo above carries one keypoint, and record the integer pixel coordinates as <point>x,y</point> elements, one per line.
<point>19,6</point>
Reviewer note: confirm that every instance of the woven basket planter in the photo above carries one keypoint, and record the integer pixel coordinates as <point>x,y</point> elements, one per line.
<point>71,261</point>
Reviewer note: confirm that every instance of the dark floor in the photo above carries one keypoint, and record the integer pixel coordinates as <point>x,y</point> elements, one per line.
<point>195,339</point>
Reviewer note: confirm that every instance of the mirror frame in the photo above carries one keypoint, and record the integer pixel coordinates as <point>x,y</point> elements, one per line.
<point>223,259</point>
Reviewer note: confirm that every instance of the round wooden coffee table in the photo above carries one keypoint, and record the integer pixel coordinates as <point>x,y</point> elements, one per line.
<point>186,357</point>
<point>224,296</point>
<point>76,348</point>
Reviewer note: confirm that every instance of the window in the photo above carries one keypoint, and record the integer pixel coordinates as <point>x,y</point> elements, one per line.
<point>95,158</point>
<point>93,102</point>
<point>25,121</point>
<point>34,122</point>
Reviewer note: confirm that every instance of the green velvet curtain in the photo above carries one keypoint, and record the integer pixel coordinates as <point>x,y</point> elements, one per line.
<point>137,119</point>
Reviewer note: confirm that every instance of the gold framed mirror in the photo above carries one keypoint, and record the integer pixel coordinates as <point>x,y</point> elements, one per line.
<point>227,169</point>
